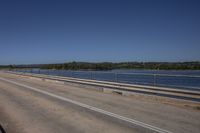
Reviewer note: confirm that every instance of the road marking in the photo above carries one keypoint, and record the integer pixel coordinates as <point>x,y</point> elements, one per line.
<point>135,122</point>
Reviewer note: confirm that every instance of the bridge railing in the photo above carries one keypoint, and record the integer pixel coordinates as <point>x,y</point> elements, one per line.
<point>165,80</point>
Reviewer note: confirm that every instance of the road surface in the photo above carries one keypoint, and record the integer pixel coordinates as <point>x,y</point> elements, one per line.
<point>30,105</point>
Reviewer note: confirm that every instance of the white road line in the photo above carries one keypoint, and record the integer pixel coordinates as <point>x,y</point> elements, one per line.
<point>135,122</point>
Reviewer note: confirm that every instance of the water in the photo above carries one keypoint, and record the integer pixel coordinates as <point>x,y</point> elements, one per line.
<point>184,79</point>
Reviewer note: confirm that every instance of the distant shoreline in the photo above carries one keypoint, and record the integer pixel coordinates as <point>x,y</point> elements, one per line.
<point>112,66</point>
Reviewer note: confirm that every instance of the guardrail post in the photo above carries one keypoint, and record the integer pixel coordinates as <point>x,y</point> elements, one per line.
<point>58,72</point>
<point>72,74</point>
<point>91,75</point>
<point>154,79</point>
<point>94,75</point>
<point>116,77</point>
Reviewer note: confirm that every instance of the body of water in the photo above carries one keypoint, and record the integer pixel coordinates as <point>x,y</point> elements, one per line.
<point>181,79</point>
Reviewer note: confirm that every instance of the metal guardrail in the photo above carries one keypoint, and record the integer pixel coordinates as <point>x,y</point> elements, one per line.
<point>122,87</point>
<point>191,82</point>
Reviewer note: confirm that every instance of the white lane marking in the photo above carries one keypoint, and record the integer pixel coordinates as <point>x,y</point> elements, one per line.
<point>153,128</point>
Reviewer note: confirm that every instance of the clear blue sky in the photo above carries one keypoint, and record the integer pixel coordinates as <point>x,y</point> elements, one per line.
<point>99,30</point>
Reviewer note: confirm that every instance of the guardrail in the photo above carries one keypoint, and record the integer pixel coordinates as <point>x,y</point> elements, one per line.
<point>123,87</point>
<point>161,80</point>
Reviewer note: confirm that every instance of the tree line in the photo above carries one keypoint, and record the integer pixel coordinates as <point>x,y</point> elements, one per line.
<point>110,66</point>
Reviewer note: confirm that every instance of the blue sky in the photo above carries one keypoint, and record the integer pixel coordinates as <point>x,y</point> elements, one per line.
<point>39,31</point>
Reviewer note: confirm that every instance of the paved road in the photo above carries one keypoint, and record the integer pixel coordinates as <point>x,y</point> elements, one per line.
<point>30,105</point>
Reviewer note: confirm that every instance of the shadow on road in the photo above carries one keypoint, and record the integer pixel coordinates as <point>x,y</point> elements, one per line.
<point>1,129</point>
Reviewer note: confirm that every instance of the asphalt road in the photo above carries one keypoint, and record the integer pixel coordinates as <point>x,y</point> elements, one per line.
<point>30,106</point>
